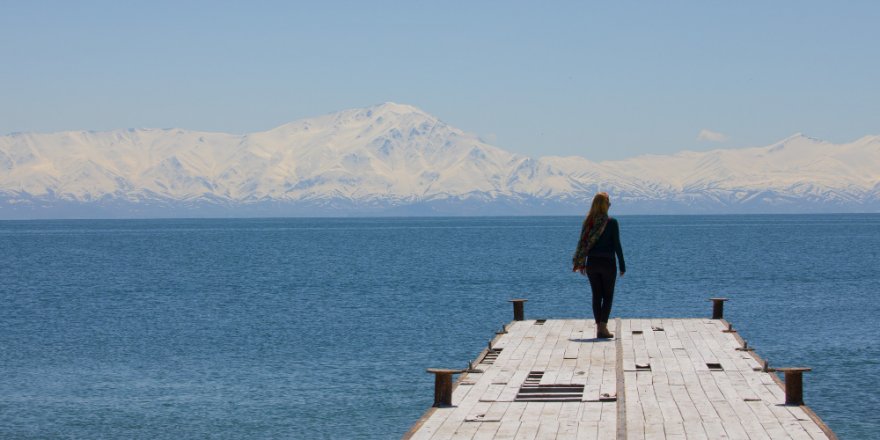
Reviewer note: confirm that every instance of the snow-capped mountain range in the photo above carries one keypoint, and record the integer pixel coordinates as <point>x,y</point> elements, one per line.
<point>396,159</point>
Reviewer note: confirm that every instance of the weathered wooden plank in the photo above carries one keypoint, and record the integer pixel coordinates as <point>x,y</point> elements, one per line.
<point>466,406</point>
<point>648,399</point>
<point>568,429</point>
<point>678,397</point>
<point>550,411</point>
<point>709,418</point>
<point>510,423</point>
<point>569,419</point>
<point>790,418</point>
<point>594,371</point>
<point>456,427</point>
<point>729,419</point>
<point>528,428</point>
<point>572,348</point>
<point>547,429</point>
<point>635,417</point>
<point>609,371</point>
<point>440,415</point>
<point>608,421</point>
<point>510,390</point>
<point>488,429</point>
<point>747,418</point>
<point>587,431</point>
<point>557,356</point>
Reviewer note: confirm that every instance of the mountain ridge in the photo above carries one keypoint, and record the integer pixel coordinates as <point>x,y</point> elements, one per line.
<point>395,158</point>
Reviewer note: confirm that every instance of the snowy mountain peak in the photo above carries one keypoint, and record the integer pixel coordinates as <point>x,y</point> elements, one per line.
<point>397,157</point>
<point>393,107</point>
<point>382,117</point>
<point>868,139</point>
<point>799,139</point>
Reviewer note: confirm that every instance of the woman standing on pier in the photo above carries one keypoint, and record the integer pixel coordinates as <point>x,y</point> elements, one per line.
<point>598,245</point>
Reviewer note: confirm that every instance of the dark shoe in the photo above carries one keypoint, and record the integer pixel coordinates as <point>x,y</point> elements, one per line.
<point>603,333</point>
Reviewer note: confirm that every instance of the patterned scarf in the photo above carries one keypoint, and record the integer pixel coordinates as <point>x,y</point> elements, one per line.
<point>590,233</point>
<point>595,230</point>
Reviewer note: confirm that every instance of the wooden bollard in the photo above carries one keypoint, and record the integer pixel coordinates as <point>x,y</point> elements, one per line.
<point>472,368</point>
<point>745,347</point>
<point>717,307</point>
<point>518,309</point>
<point>442,386</point>
<point>794,384</point>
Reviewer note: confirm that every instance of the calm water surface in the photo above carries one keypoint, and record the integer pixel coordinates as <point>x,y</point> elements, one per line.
<point>322,328</point>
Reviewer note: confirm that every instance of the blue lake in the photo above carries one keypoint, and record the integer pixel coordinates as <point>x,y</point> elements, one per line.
<point>323,328</point>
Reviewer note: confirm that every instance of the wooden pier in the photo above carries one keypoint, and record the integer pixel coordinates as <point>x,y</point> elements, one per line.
<point>657,379</point>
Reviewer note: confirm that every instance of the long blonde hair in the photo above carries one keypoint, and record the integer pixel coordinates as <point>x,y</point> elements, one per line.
<point>601,203</point>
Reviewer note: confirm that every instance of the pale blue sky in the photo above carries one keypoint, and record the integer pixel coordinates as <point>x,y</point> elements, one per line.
<point>602,80</point>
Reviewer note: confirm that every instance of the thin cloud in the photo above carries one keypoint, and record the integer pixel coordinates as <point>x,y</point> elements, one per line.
<point>711,136</point>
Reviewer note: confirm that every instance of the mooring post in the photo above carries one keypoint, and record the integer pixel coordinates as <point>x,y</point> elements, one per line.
<point>729,328</point>
<point>745,347</point>
<point>442,385</point>
<point>717,307</point>
<point>794,384</point>
<point>518,309</point>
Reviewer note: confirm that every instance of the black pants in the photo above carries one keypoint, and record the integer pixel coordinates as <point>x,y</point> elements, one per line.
<point>602,273</point>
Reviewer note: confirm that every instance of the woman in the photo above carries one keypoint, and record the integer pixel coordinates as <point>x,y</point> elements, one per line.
<point>594,257</point>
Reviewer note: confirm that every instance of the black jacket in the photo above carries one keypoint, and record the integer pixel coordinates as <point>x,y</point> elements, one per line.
<point>608,244</point>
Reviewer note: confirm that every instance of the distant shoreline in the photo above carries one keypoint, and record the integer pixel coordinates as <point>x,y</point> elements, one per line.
<point>436,217</point>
